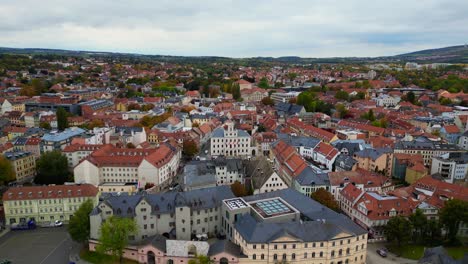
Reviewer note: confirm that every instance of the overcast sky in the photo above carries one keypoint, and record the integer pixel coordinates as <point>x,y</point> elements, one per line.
<point>236,28</point>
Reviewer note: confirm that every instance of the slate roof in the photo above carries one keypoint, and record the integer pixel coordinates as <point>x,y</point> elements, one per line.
<point>224,246</point>
<point>309,178</point>
<point>167,202</point>
<point>319,223</point>
<point>345,162</point>
<point>298,141</point>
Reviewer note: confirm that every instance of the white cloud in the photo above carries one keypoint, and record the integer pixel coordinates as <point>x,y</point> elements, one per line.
<point>235,28</point>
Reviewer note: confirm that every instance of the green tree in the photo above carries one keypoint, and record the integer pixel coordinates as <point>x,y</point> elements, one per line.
<point>52,168</point>
<point>45,125</point>
<point>398,229</point>
<point>189,148</point>
<point>114,236</point>
<point>453,213</point>
<point>419,222</point>
<point>325,198</point>
<point>79,226</point>
<point>263,83</point>
<point>342,95</point>
<point>411,97</point>
<point>341,110</point>
<point>236,94</point>
<point>201,259</point>
<point>369,115</point>
<point>7,172</point>
<point>62,121</point>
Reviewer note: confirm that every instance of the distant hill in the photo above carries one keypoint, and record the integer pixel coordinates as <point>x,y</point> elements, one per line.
<point>449,54</point>
<point>455,54</point>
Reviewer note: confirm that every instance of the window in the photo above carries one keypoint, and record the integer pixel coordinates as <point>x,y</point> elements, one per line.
<point>285,246</point>
<point>293,256</point>
<point>294,246</point>
<point>284,256</point>
<point>276,247</point>
<point>333,253</point>
<point>254,246</point>
<point>254,256</point>
<point>262,256</point>
<point>275,256</point>
<point>313,254</point>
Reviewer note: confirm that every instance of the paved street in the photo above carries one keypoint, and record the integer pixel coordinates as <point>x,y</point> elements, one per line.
<point>40,246</point>
<point>374,258</point>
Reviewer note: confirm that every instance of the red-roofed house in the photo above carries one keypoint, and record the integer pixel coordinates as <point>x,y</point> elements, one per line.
<point>123,165</point>
<point>288,162</point>
<point>451,133</point>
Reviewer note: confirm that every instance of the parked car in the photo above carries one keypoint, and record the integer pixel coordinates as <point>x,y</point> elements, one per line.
<point>56,223</point>
<point>31,224</point>
<point>382,252</point>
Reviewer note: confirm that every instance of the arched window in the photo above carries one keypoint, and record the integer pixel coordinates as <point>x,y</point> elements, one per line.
<point>170,261</point>
<point>357,248</point>
<point>284,256</point>
<point>333,253</point>
<point>313,254</point>
<point>293,256</point>
<point>223,261</point>
<point>275,256</point>
<point>262,256</point>
<point>321,254</point>
<point>340,252</point>
<point>254,256</point>
<point>346,261</point>
<point>347,251</point>
<point>192,250</point>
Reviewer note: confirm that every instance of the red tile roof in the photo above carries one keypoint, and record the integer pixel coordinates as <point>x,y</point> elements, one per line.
<point>310,130</point>
<point>289,159</point>
<point>50,192</point>
<point>452,129</point>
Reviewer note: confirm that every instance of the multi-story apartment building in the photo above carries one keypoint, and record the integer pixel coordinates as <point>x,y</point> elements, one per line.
<point>45,203</point>
<point>230,142</point>
<point>266,228</point>
<point>209,173</point>
<point>111,164</point>
<point>76,152</point>
<point>378,160</point>
<point>287,227</point>
<point>372,210</point>
<point>451,166</point>
<point>284,97</point>
<point>24,164</point>
<point>426,148</point>
<point>178,215</point>
<point>59,140</point>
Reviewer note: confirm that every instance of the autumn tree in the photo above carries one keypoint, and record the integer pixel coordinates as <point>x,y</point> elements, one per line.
<point>268,101</point>
<point>238,189</point>
<point>95,123</point>
<point>398,229</point>
<point>189,148</point>
<point>114,237</point>
<point>45,125</point>
<point>7,172</point>
<point>325,198</point>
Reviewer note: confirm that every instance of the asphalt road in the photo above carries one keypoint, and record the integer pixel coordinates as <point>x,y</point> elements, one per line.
<point>39,246</point>
<point>374,258</point>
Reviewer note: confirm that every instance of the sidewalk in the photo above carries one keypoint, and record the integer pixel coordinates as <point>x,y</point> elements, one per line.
<point>4,232</point>
<point>75,254</point>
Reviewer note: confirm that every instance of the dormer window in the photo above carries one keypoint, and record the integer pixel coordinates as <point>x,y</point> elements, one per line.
<point>30,194</point>
<point>49,193</point>
<point>40,194</point>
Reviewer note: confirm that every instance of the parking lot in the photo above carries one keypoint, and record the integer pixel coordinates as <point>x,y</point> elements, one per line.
<point>39,246</point>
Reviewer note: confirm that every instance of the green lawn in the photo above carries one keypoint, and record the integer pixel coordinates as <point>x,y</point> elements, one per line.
<point>97,258</point>
<point>416,251</point>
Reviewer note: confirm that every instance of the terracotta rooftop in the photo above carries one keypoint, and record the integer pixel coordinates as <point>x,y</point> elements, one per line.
<point>50,192</point>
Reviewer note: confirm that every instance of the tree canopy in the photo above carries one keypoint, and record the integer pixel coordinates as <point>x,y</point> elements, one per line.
<point>114,237</point>
<point>52,168</point>
<point>7,172</point>
<point>79,226</point>
<point>452,214</point>
<point>398,229</point>
<point>201,259</point>
<point>325,198</point>
<point>189,148</point>
<point>62,118</point>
